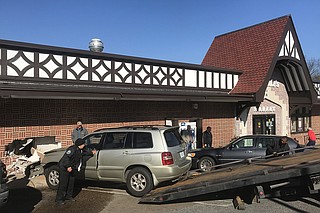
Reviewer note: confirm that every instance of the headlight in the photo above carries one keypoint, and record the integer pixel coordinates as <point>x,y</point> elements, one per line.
<point>191,154</point>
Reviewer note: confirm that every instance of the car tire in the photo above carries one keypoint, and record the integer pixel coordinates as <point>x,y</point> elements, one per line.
<point>205,164</point>
<point>52,177</point>
<point>139,182</point>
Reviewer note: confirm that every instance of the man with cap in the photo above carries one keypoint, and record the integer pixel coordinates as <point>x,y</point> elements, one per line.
<point>78,132</point>
<point>69,164</point>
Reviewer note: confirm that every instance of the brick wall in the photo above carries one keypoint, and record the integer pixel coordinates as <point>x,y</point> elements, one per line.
<point>21,118</point>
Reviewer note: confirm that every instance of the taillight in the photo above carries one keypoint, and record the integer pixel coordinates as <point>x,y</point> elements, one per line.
<point>167,158</point>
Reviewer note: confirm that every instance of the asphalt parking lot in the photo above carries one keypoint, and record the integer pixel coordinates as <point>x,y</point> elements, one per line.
<point>35,196</point>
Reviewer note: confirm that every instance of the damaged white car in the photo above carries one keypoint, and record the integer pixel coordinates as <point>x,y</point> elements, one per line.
<point>24,156</point>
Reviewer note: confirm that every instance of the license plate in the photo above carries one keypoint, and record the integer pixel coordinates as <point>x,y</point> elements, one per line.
<point>315,179</point>
<point>181,154</point>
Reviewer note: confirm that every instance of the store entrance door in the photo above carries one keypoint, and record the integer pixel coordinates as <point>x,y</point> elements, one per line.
<point>264,124</point>
<point>197,128</point>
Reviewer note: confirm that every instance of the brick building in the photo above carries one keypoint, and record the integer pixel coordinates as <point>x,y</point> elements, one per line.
<point>251,81</point>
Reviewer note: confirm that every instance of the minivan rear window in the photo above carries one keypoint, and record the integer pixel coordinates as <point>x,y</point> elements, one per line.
<point>173,138</point>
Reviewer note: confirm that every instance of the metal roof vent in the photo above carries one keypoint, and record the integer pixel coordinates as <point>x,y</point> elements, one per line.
<point>96,45</point>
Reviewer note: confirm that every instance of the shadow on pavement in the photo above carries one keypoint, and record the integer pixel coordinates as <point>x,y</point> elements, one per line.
<point>25,197</point>
<point>22,198</point>
<point>86,201</point>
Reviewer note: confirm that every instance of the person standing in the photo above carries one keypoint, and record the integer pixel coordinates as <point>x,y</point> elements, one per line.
<point>78,132</point>
<point>312,137</point>
<point>188,137</point>
<point>207,138</point>
<point>69,164</point>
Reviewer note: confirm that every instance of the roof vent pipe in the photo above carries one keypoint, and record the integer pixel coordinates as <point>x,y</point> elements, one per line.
<point>96,45</point>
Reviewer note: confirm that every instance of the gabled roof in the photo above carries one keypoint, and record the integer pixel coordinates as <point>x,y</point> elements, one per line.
<point>253,50</point>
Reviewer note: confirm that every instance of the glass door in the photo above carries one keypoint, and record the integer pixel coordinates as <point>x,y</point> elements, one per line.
<point>264,124</point>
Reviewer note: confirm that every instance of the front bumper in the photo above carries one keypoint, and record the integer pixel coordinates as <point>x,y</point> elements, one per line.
<point>4,195</point>
<point>194,164</point>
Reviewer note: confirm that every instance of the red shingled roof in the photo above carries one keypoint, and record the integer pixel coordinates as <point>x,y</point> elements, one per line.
<point>250,50</point>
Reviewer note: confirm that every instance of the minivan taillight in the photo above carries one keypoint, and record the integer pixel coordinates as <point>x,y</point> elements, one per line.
<point>167,158</point>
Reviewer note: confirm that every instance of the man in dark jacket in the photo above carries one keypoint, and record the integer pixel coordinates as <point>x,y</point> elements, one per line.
<point>69,164</point>
<point>277,147</point>
<point>207,137</point>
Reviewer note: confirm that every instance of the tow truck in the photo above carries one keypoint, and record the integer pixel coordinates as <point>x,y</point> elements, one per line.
<point>250,180</point>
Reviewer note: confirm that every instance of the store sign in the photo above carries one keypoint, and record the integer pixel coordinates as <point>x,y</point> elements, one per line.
<point>265,109</point>
<point>273,83</point>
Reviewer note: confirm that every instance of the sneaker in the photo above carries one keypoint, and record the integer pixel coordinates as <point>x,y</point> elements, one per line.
<point>60,203</point>
<point>70,200</point>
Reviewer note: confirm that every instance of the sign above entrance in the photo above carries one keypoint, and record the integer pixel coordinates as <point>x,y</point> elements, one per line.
<point>265,109</point>
<point>273,83</point>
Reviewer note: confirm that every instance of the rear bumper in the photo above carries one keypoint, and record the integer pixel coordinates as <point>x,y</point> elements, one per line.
<point>165,173</point>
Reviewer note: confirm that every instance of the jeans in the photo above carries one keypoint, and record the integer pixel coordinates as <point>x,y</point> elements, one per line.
<point>311,143</point>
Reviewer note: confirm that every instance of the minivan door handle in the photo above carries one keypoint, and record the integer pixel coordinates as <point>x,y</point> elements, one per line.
<point>125,153</point>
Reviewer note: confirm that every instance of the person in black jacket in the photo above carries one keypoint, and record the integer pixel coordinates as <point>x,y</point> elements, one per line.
<point>277,147</point>
<point>69,164</point>
<point>207,137</point>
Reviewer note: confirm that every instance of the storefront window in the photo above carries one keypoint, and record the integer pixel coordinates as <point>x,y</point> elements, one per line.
<point>293,125</point>
<point>306,122</point>
<point>300,120</point>
<point>300,124</point>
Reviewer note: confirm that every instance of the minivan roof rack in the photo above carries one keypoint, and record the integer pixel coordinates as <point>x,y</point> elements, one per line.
<point>152,127</point>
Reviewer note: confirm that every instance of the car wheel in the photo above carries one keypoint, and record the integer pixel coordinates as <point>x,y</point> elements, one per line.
<point>205,163</point>
<point>52,177</point>
<point>139,182</point>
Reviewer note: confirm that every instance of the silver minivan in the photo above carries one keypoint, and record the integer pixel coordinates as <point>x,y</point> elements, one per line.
<point>140,156</point>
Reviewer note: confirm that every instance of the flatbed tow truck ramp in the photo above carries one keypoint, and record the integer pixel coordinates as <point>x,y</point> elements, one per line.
<point>252,179</point>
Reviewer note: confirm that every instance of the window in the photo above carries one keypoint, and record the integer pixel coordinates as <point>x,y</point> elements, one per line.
<point>114,140</point>
<point>293,125</point>
<point>93,141</point>
<point>262,142</point>
<point>244,143</point>
<point>173,138</point>
<point>301,119</point>
<point>306,123</point>
<point>142,140</point>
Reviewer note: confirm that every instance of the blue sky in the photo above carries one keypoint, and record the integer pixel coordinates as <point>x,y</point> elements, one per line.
<point>173,30</point>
